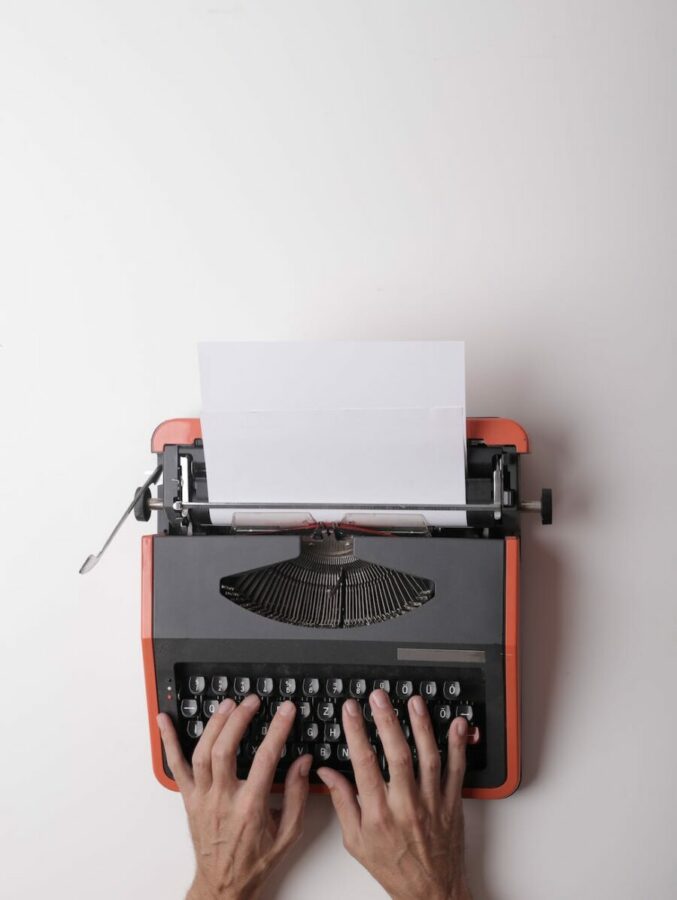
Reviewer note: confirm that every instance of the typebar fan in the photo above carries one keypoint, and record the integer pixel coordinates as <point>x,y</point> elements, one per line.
<point>327,586</point>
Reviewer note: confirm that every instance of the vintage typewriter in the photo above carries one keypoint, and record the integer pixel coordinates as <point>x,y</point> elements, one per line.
<point>316,612</point>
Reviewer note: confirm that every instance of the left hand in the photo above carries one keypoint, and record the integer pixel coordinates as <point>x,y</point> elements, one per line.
<point>238,840</point>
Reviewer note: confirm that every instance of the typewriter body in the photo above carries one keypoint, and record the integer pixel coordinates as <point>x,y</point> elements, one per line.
<point>318,612</point>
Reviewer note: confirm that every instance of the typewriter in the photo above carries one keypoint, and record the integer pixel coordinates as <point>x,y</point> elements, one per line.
<point>317,612</point>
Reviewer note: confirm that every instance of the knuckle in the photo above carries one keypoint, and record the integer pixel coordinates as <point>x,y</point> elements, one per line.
<point>399,760</point>
<point>200,762</point>
<point>430,764</point>
<point>421,817</point>
<point>364,759</point>
<point>249,806</point>
<point>220,751</point>
<point>267,754</point>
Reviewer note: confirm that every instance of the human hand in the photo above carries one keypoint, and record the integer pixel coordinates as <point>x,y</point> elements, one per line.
<point>237,838</point>
<point>407,833</point>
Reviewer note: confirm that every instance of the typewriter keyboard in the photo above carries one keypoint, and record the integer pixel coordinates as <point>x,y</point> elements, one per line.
<point>319,697</point>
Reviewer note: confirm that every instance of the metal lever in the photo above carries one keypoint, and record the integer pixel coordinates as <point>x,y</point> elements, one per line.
<point>93,559</point>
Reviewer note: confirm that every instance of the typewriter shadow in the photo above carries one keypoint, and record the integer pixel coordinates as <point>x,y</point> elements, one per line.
<point>541,644</point>
<point>319,816</point>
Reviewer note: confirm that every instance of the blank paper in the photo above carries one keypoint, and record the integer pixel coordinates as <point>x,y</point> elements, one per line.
<point>335,423</point>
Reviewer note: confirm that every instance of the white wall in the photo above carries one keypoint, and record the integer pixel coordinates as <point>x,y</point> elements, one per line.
<point>499,172</point>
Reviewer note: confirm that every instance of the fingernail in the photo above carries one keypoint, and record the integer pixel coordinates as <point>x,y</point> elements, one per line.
<point>461,727</point>
<point>379,698</point>
<point>225,706</point>
<point>304,767</point>
<point>251,701</point>
<point>351,708</point>
<point>418,706</point>
<point>287,709</point>
<point>326,776</point>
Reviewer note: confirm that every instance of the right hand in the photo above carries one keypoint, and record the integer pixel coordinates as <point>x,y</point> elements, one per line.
<point>407,833</point>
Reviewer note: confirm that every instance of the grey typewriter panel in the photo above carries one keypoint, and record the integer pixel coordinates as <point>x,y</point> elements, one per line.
<point>466,609</point>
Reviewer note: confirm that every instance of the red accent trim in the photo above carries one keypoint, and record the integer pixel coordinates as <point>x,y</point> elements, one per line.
<point>175,431</point>
<point>491,431</point>
<point>149,660</point>
<point>512,696</point>
<point>498,431</point>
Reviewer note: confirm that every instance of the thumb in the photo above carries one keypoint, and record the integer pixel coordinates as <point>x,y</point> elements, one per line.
<point>293,803</point>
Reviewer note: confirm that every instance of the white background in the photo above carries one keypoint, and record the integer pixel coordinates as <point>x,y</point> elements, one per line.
<point>499,172</point>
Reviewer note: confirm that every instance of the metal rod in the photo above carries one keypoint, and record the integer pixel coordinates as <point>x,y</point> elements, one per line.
<point>179,506</point>
<point>530,506</point>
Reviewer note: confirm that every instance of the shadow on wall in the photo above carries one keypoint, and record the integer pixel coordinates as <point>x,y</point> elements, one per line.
<point>543,634</point>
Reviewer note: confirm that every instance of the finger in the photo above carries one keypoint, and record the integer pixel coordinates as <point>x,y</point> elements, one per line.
<point>293,803</point>
<point>267,758</point>
<point>395,745</point>
<point>345,804</point>
<point>202,757</point>
<point>458,732</point>
<point>370,784</point>
<point>175,758</point>
<point>224,751</point>
<point>429,764</point>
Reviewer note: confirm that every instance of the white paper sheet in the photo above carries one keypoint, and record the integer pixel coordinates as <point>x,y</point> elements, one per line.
<point>335,423</point>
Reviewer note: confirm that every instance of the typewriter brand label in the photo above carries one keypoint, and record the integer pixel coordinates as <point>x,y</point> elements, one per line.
<point>433,655</point>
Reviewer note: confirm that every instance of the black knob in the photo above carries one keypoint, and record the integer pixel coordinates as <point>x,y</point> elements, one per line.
<point>546,506</point>
<point>141,507</point>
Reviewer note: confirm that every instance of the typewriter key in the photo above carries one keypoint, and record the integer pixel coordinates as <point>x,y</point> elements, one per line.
<point>322,752</point>
<point>451,690</point>
<point>195,728</point>
<point>219,684</point>
<point>209,707</point>
<point>382,684</point>
<point>334,687</point>
<point>404,689</point>
<point>358,687</point>
<point>332,731</point>
<point>287,687</point>
<point>196,684</point>
<point>325,710</point>
<point>311,687</point>
<point>303,709</point>
<point>259,731</point>
<point>465,710</point>
<point>343,753</point>
<point>242,686</point>
<point>442,713</point>
<point>188,708</point>
<point>428,689</point>
<point>264,686</point>
<point>310,731</point>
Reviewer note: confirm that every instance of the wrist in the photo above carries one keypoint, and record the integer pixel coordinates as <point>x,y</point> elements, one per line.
<point>458,892</point>
<point>201,890</point>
